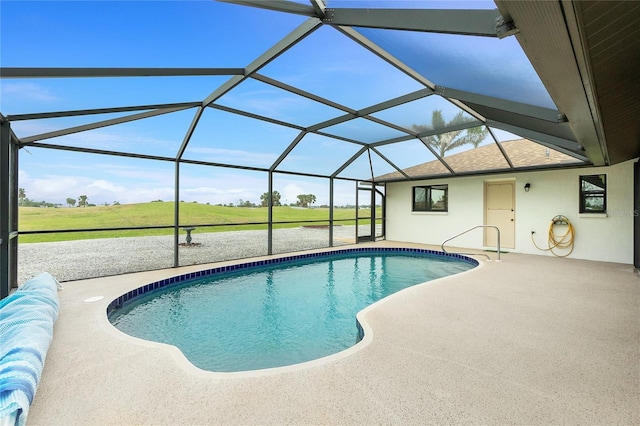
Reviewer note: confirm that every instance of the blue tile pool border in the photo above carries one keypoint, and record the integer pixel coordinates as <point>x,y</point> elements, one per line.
<point>181,279</point>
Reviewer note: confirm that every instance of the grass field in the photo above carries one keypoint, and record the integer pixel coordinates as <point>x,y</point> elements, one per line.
<point>160,214</point>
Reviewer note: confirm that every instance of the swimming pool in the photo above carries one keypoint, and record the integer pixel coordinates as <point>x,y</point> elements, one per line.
<point>276,312</point>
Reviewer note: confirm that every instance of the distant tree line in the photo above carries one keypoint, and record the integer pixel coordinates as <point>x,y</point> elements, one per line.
<point>303,200</point>
<point>82,201</point>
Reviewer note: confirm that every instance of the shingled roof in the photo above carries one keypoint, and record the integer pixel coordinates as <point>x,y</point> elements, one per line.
<point>523,153</point>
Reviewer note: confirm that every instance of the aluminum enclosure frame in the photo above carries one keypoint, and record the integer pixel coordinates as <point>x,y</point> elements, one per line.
<point>548,127</point>
<point>8,209</point>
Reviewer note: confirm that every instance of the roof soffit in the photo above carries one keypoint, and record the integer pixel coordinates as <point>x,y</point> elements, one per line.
<point>609,32</point>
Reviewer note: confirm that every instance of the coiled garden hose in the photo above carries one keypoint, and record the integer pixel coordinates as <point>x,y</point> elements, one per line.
<point>558,242</point>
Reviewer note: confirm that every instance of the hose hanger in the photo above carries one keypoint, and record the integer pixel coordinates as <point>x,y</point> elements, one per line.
<point>560,220</point>
<point>558,242</point>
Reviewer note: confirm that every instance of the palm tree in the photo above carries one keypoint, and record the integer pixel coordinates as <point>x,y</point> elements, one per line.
<point>444,142</point>
<point>264,199</point>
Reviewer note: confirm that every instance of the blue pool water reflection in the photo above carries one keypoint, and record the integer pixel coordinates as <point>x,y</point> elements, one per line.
<point>275,315</point>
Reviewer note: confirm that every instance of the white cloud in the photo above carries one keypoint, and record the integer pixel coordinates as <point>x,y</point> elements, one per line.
<point>119,140</point>
<point>127,173</point>
<point>290,192</point>
<point>203,190</point>
<point>28,128</point>
<point>50,188</point>
<point>57,188</point>
<point>270,103</point>
<point>106,186</point>
<point>24,91</point>
<point>142,194</point>
<point>232,156</point>
<point>114,138</point>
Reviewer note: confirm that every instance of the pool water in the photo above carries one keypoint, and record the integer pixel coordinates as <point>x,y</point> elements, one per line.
<point>275,315</point>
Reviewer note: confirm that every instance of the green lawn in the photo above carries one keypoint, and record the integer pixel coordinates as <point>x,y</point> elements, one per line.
<point>159,214</point>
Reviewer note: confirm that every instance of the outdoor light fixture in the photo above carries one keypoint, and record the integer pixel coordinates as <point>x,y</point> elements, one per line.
<point>527,187</point>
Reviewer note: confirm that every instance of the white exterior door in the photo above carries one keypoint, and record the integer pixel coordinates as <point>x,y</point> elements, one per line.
<point>500,212</point>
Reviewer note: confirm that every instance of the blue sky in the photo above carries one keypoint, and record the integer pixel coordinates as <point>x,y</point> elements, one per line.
<point>195,34</point>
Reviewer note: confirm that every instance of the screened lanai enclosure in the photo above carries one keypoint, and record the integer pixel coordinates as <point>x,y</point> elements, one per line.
<point>206,110</point>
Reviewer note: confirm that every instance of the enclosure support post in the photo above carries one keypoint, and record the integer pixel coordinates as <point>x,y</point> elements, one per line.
<point>357,208</point>
<point>331,212</point>
<point>373,211</point>
<point>176,217</point>
<point>8,210</point>
<point>270,215</point>
<point>384,213</point>
<point>13,199</point>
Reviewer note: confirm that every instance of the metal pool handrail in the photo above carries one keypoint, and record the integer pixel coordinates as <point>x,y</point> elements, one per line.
<point>471,229</point>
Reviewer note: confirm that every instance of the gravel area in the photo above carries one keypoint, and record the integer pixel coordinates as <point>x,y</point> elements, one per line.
<point>81,259</point>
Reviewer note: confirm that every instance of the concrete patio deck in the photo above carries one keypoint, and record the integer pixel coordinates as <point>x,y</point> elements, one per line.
<point>529,340</point>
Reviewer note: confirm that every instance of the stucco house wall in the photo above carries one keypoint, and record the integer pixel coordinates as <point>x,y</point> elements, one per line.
<point>553,192</point>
